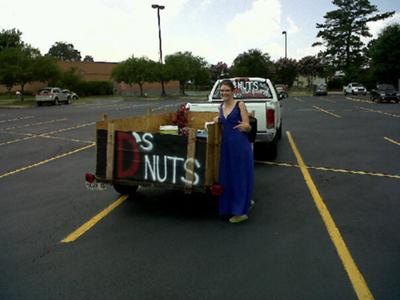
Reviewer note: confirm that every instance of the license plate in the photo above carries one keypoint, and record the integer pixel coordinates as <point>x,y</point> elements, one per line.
<point>95,186</point>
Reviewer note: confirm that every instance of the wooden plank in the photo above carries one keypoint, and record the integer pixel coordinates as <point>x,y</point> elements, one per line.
<point>148,123</point>
<point>213,154</point>
<point>191,152</point>
<point>152,122</point>
<point>210,154</point>
<point>197,120</point>
<point>217,151</point>
<point>110,150</point>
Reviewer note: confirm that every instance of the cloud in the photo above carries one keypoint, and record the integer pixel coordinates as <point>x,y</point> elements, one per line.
<point>204,4</point>
<point>261,21</point>
<point>299,53</point>
<point>376,27</point>
<point>109,30</point>
<point>292,26</point>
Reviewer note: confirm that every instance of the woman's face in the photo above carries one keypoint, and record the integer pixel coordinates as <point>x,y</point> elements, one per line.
<point>226,92</point>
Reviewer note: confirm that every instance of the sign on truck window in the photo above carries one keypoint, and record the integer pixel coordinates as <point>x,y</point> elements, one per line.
<point>247,89</point>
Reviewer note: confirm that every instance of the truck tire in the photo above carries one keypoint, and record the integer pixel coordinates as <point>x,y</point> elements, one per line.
<point>272,150</point>
<point>55,101</point>
<point>265,151</point>
<point>125,189</point>
<point>279,132</point>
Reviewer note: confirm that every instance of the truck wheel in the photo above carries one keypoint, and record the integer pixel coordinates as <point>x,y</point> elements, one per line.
<point>125,189</point>
<point>39,103</point>
<point>55,101</point>
<point>279,132</point>
<point>263,151</point>
<point>272,150</point>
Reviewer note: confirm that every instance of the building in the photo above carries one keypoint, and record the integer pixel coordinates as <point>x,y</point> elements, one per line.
<point>101,71</point>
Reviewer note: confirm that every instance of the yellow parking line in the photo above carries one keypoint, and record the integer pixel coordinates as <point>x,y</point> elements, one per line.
<point>360,100</point>
<point>30,136</point>
<point>46,161</point>
<point>327,112</point>
<point>89,224</point>
<point>392,141</point>
<point>380,112</point>
<point>15,141</point>
<point>46,135</point>
<point>357,280</point>
<point>392,176</point>
<point>16,119</point>
<point>35,124</point>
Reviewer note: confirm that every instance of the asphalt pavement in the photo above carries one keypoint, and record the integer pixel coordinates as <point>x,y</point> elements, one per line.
<point>325,224</point>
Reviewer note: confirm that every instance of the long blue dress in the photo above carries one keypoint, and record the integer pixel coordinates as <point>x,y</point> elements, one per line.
<point>236,169</point>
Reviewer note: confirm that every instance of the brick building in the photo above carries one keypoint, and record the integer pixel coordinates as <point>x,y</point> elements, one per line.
<point>101,71</point>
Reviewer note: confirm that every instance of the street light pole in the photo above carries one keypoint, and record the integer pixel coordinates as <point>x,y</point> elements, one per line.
<point>158,7</point>
<point>285,33</point>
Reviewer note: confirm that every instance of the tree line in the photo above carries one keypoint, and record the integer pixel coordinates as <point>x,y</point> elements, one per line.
<point>341,35</point>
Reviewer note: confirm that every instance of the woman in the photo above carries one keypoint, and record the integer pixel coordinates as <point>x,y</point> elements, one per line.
<point>236,170</point>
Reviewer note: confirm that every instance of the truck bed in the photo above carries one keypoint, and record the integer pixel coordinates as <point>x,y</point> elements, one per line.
<point>132,151</point>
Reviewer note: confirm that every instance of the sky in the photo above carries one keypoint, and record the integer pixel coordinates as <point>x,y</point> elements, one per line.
<point>217,30</point>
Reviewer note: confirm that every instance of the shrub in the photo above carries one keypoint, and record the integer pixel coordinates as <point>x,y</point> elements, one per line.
<point>94,88</point>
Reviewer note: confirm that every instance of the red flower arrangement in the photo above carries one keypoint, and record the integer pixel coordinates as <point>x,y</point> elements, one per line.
<point>181,120</point>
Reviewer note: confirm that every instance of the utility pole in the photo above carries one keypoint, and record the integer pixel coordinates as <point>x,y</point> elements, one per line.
<point>158,7</point>
<point>285,33</point>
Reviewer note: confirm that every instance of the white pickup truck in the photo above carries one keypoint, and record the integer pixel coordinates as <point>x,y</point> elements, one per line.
<point>262,101</point>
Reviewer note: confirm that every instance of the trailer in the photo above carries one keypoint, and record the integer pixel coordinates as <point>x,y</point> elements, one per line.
<point>133,152</point>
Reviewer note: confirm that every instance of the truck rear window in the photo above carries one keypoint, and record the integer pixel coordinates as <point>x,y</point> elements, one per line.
<point>247,89</point>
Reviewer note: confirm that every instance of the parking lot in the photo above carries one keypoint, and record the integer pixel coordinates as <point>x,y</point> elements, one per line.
<point>325,224</point>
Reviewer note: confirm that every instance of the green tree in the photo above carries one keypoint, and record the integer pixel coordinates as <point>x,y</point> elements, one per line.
<point>17,66</point>
<point>10,38</point>
<point>310,67</point>
<point>285,71</point>
<point>136,70</point>
<point>185,67</point>
<point>70,79</point>
<point>64,51</point>
<point>252,63</point>
<point>342,31</point>
<point>385,55</point>
<point>8,71</point>
<point>88,58</point>
<point>220,70</point>
<point>45,68</point>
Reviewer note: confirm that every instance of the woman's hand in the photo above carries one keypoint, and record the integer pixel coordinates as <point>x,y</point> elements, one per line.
<point>243,126</point>
<point>216,119</point>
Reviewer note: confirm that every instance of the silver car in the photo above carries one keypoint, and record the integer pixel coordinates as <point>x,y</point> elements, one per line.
<point>72,95</point>
<point>53,95</point>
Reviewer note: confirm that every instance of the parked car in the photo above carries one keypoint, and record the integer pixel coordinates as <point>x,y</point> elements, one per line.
<point>53,95</point>
<point>282,90</point>
<point>354,88</point>
<point>320,89</point>
<point>72,95</point>
<point>385,92</point>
